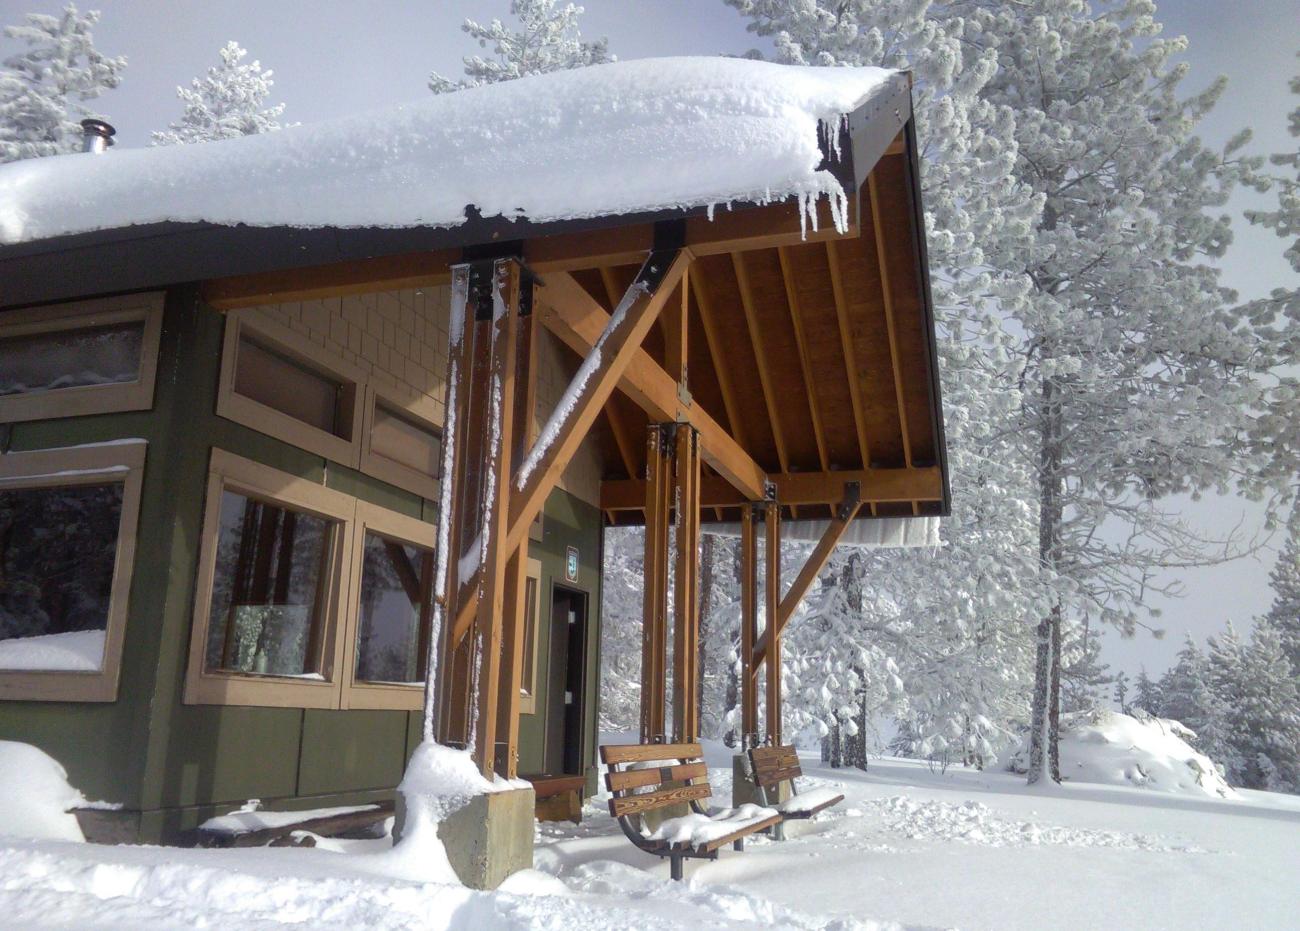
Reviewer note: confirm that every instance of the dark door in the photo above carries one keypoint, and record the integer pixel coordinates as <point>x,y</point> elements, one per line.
<point>567,682</point>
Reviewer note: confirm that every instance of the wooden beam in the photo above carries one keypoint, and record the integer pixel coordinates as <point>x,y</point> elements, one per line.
<point>593,384</point>
<point>618,424</point>
<point>654,618</point>
<point>846,344</point>
<point>760,357</point>
<point>771,604</point>
<point>713,339</point>
<point>385,273</point>
<point>923,483</point>
<point>578,320</point>
<point>816,561</point>
<point>887,297</point>
<point>686,592</point>
<point>805,358</point>
<point>748,627</point>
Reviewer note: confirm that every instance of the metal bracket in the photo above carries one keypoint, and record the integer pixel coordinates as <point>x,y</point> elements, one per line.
<point>769,492</point>
<point>482,279</point>
<point>852,495</point>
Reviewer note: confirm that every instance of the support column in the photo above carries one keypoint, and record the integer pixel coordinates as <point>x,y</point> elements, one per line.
<point>748,626</point>
<point>654,646</point>
<point>686,598</point>
<point>771,608</point>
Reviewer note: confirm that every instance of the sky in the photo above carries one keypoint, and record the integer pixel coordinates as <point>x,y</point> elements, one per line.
<point>334,57</point>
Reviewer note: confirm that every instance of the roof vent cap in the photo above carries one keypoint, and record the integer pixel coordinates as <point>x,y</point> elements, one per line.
<point>96,135</point>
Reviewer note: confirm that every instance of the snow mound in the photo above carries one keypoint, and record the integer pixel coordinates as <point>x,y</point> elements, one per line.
<point>35,797</point>
<point>626,137</point>
<point>1117,749</point>
<point>77,651</point>
<point>976,823</point>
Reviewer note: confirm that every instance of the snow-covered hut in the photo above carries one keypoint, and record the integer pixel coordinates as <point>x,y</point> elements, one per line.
<point>278,414</point>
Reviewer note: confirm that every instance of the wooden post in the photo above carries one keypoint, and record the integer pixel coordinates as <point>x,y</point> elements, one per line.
<point>686,600</point>
<point>771,608</point>
<point>654,645</point>
<point>748,626</point>
<point>512,658</point>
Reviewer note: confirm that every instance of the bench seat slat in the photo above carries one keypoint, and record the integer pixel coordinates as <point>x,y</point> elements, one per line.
<point>754,828</point>
<point>639,753</point>
<point>801,814</point>
<point>635,804</point>
<point>636,778</point>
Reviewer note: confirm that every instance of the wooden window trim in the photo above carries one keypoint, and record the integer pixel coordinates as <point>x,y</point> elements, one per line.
<point>528,699</point>
<point>274,423</point>
<point>243,476</point>
<point>87,399</point>
<point>83,465</point>
<point>359,694</point>
<point>422,410</point>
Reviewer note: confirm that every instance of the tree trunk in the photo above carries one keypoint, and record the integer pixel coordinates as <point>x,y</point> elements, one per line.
<point>1045,722</point>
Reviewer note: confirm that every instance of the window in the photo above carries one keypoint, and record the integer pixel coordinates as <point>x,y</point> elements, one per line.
<point>280,383</point>
<point>90,357</point>
<point>306,596</point>
<point>67,542</point>
<point>403,443</point>
<point>388,631</point>
<point>532,615</point>
<point>268,588</point>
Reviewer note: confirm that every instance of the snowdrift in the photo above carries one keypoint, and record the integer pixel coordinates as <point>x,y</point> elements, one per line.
<point>35,797</point>
<point>1146,752</point>
<point>626,137</point>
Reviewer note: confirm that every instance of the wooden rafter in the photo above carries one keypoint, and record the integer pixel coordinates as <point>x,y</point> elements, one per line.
<point>923,483</point>
<point>713,339</point>
<point>618,424</point>
<point>760,357</point>
<point>578,320</point>
<point>887,297</point>
<point>805,357</point>
<point>846,343</point>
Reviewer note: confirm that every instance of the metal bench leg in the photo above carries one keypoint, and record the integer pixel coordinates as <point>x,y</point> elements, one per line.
<point>675,866</point>
<point>778,830</point>
<point>738,844</point>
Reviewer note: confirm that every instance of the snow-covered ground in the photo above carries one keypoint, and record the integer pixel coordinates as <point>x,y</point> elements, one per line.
<point>909,847</point>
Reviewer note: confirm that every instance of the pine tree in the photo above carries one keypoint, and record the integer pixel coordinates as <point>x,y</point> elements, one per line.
<point>1146,693</point>
<point>1187,695</point>
<point>547,39</point>
<point>1121,692</point>
<point>229,102</point>
<point>43,89</point>
<point>1227,663</point>
<point>1265,717</point>
<point>1284,615</point>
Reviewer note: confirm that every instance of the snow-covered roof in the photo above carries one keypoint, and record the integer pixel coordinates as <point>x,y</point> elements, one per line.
<point>629,137</point>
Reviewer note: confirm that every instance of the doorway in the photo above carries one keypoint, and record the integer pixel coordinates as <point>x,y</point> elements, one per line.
<point>566,693</point>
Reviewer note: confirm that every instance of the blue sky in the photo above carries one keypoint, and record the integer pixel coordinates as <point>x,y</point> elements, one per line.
<point>340,56</point>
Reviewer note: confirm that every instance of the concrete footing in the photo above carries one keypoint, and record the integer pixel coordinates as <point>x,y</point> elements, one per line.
<point>488,839</point>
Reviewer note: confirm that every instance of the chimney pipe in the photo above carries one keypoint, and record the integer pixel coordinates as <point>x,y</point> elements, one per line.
<point>96,136</point>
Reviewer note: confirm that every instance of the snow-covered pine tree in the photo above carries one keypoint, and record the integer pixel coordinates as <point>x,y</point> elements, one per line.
<point>1265,717</point>
<point>228,102</point>
<point>1284,615</point>
<point>951,624</point>
<point>1227,663</point>
<point>1187,695</point>
<point>1121,691</point>
<point>547,39</point>
<point>43,88</point>
<point>1146,693</point>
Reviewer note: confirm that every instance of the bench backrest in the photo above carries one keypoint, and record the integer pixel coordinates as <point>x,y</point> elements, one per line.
<point>643,777</point>
<point>773,765</point>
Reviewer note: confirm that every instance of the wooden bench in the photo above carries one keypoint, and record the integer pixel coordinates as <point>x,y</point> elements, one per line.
<point>772,766</point>
<point>559,798</point>
<point>650,777</point>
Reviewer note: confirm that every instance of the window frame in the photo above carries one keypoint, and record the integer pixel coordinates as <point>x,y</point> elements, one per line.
<point>83,465</point>
<point>82,400</point>
<point>228,472</point>
<point>528,697</point>
<point>424,411</point>
<point>359,693</point>
<point>275,423</point>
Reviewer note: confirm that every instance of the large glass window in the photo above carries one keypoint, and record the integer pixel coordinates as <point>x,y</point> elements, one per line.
<point>58,548</point>
<point>394,611</point>
<point>268,589</point>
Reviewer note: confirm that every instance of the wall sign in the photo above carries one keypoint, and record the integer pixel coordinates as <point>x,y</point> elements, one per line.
<point>571,564</point>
